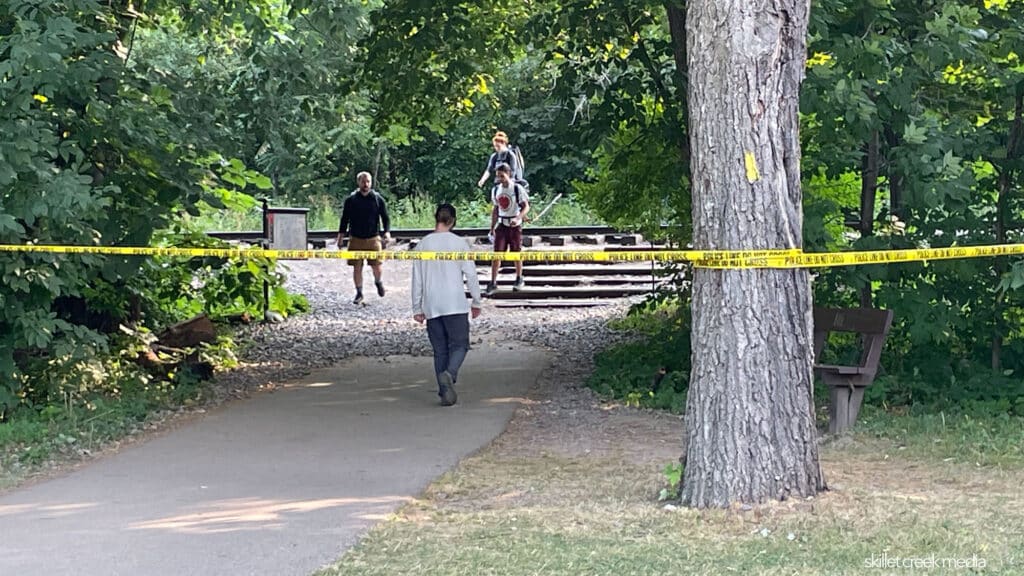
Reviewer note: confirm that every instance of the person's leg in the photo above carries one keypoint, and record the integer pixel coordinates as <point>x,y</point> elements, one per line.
<point>440,341</point>
<point>438,336</point>
<point>378,280</point>
<point>515,244</point>
<point>457,328</point>
<point>500,245</point>
<point>375,265</point>
<point>357,279</point>
<point>494,271</point>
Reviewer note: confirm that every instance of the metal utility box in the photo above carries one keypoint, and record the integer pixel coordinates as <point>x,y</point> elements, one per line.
<point>286,228</point>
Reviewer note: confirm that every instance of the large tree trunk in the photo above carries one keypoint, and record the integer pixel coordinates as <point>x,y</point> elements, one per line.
<point>749,418</point>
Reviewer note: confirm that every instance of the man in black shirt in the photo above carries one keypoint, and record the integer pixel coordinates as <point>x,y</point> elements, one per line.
<point>362,218</point>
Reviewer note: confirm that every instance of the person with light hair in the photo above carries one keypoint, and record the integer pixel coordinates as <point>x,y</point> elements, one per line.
<point>502,155</point>
<point>363,217</point>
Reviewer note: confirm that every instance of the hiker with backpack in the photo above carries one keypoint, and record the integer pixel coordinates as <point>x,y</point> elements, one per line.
<point>510,206</point>
<point>503,153</point>
<point>366,213</point>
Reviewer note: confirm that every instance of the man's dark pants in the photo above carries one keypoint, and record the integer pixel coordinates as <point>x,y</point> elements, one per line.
<point>449,337</point>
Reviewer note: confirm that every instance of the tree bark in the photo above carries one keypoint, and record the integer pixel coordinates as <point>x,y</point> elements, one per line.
<point>749,418</point>
<point>895,178</point>
<point>1006,181</point>
<point>676,12</point>
<point>868,194</point>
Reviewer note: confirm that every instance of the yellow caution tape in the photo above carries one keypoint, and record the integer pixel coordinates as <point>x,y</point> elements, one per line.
<point>716,259</point>
<point>832,259</point>
<point>536,256</point>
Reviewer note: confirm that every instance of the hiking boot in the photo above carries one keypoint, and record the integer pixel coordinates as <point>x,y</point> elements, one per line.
<point>447,389</point>
<point>380,289</point>
<point>520,283</point>
<point>492,287</point>
<point>358,299</point>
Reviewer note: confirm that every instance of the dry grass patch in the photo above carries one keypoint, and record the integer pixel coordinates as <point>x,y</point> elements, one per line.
<point>523,507</point>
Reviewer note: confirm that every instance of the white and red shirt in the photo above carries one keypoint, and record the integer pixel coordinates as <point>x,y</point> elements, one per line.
<point>504,197</point>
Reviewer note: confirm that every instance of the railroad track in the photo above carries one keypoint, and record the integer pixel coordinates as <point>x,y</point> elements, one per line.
<point>548,284</point>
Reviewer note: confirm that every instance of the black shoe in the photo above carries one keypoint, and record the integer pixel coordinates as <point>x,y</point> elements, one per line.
<point>520,283</point>
<point>447,389</point>
<point>358,299</point>
<point>491,288</point>
<point>380,289</point>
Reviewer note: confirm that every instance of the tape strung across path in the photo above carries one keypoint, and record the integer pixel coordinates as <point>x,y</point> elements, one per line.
<point>717,259</point>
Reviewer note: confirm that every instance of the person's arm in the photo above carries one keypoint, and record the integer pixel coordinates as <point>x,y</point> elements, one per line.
<point>494,218</point>
<point>524,204</point>
<point>343,225</point>
<point>487,172</point>
<point>525,210</point>
<point>473,282</point>
<point>385,218</point>
<point>417,291</point>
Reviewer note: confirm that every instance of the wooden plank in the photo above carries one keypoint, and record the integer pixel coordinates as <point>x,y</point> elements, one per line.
<point>508,280</point>
<point>579,292</point>
<point>581,270</point>
<point>542,304</point>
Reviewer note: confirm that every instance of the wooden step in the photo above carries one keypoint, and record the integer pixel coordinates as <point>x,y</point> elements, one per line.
<point>581,270</point>
<point>568,281</point>
<point>578,292</point>
<point>541,304</point>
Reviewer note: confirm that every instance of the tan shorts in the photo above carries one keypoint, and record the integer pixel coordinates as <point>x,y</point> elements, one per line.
<point>371,244</point>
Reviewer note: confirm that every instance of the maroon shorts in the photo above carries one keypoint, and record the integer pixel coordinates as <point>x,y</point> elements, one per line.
<point>508,238</point>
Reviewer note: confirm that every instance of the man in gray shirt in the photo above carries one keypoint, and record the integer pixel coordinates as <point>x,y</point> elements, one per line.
<point>439,299</point>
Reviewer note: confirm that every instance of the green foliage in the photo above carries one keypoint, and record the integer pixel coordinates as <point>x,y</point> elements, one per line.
<point>97,151</point>
<point>171,288</point>
<point>628,371</point>
<point>638,182</point>
<point>673,473</point>
<point>410,212</point>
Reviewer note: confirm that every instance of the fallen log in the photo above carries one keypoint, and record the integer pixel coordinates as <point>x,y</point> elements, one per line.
<point>189,334</point>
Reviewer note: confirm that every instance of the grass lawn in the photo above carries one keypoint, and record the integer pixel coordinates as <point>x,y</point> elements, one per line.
<point>534,504</point>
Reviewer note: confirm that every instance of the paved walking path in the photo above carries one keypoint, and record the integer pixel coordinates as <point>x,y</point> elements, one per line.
<point>279,484</point>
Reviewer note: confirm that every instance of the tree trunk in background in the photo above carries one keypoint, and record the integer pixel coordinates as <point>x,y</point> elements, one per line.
<point>868,193</point>
<point>749,419</point>
<point>894,177</point>
<point>1006,183</point>
<point>676,12</point>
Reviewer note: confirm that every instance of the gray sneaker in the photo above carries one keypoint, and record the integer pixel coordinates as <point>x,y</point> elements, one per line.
<point>492,287</point>
<point>520,284</point>
<point>447,389</point>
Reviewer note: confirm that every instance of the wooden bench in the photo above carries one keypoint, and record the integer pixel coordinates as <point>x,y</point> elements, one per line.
<point>847,383</point>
